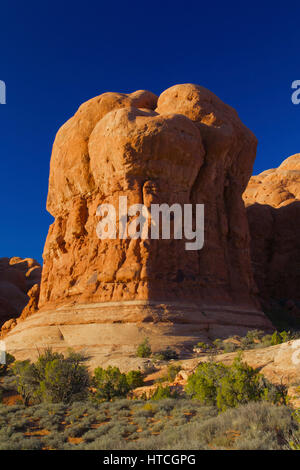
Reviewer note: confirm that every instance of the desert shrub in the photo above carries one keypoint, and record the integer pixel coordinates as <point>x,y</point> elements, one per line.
<point>53,378</point>
<point>276,338</point>
<point>242,384</point>
<point>229,347</point>
<point>218,343</point>
<point>144,349</point>
<point>135,379</point>
<point>65,380</point>
<point>161,393</point>
<point>205,346</point>
<point>203,384</point>
<point>279,337</point>
<point>110,383</point>
<point>251,339</point>
<point>26,380</point>
<point>268,427</point>
<point>166,354</point>
<point>173,370</point>
<point>266,341</point>
<point>228,386</point>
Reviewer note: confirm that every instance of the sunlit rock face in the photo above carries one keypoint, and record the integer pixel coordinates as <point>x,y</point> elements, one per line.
<point>184,147</point>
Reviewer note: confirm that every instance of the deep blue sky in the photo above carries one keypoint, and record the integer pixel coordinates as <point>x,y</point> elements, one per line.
<point>57,54</point>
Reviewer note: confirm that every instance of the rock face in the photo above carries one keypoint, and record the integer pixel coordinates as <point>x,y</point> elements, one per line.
<point>185,147</point>
<point>276,187</point>
<point>19,278</point>
<point>273,208</point>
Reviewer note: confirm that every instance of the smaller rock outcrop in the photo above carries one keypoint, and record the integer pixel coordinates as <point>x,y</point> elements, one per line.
<point>276,187</point>
<point>19,289</point>
<point>273,210</point>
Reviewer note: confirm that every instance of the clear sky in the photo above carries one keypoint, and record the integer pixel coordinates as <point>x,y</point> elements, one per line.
<point>57,54</point>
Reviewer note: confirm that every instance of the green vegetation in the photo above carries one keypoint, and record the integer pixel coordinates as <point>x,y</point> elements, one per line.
<point>111,383</point>
<point>53,378</point>
<point>166,354</point>
<point>65,408</point>
<point>162,393</point>
<point>133,424</point>
<point>144,349</point>
<point>229,386</point>
<point>173,370</point>
<point>254,339</point>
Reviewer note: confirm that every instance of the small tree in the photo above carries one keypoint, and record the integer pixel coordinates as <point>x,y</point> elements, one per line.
<point>135,379</point>
<point>110,383</point>
<point>53,378</point>
<point>26,380</point>
<point>203,384</point>
<point>229,386</point>
<point>276,338</point>
<point>162,393</point>
<point>144,349</point>
<point>239,385</point>
<point>65,380</point>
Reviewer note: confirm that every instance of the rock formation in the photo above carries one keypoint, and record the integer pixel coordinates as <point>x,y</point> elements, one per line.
<point>276,187</point>
<point>185,147</point>
<point>19,279</point>
<point>273,208</point>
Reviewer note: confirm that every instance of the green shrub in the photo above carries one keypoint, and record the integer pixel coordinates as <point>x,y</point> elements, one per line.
<point>144,349</point>
<point>135,379</point>
<point>53,378</point>
<point>173,370</point>
<point>202,345</point>
<point>241,384</point>
<point>276,338</point>
<point>110,383</point>
<point>283,337</point>
<point>204,383</point>
<point>161,393</point>
<point>218,343</point>
<point>229,347</point>
<point>228,386</point>
<point>166,354</point>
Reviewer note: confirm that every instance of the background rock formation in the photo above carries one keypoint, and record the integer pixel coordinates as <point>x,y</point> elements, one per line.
<point>276,187</point>
<point>19,284</point>
<point>273,208</point>
<point>187,146</point>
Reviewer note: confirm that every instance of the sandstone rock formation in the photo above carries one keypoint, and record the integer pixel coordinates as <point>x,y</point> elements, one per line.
<point>276,187</point>
<point>273,208</point>
<point>19,278</point>
<point>187,146</point>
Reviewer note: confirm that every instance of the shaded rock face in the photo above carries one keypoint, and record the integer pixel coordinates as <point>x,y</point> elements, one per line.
<point>18,279</point>
<point>186,146</point>
<point>273,210</point>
